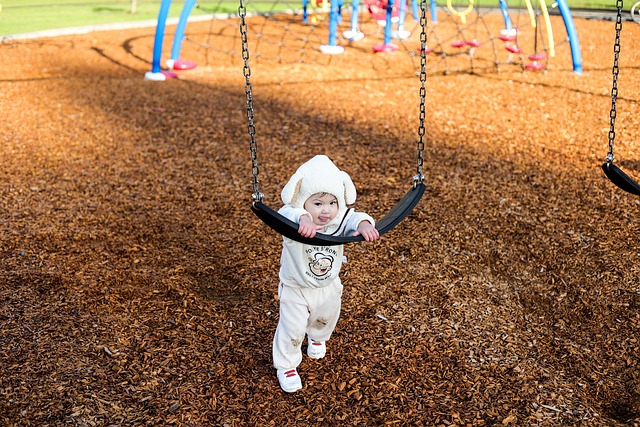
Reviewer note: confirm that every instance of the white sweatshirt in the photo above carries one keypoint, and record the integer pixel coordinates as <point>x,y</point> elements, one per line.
<point>310,266</point>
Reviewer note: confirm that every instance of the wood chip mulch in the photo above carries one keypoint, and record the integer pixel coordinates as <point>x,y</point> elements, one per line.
<point>138,289</point>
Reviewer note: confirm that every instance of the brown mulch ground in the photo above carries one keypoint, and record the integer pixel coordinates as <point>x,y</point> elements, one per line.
<point>137,288</point>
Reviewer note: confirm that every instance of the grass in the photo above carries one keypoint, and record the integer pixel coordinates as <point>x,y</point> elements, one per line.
<point>23,16</point>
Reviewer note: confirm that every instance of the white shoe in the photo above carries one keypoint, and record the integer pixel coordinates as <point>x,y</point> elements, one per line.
<point>289,380</point>
<point>316,349</point>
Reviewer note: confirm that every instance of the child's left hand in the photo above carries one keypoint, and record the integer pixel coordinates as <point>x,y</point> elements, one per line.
<point>368,231</point>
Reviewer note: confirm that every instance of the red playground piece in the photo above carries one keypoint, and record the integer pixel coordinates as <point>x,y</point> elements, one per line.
<point>169,74</point>
<point>513,48</point>
<point>536,66</point>
<point>378,9</point>
<point>384,48</point>
<point>538,56</point>
<point>182,64</point>
<point>508,35</point>
<point>462,43</point>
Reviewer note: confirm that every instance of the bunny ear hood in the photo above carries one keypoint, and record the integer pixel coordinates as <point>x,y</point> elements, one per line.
<point>319,175</point>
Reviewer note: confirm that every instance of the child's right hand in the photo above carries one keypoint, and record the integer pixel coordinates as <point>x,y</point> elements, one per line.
<point>307,228</point>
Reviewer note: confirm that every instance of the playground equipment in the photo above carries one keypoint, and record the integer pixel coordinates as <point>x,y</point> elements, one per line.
<point>539,54</point>
<point>544,44</point>
<point>401,33</point>
<point>454,46</point>
<point>353,34</point>
<point>175,63</point>
<point>157,73</point>
<point>290,229</point>
<point>384,12</point>
<point>520,35</point>
<point>318,7</point>
<point>392,14</point>
<point>463,14</point>
<point>613,172</point>
<point>332,47</point>
<point>386,45</point>
<point>531,40</point>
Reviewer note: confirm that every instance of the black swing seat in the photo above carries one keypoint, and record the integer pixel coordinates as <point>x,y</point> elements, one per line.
<point>621,179</point>
<point>289,228</point>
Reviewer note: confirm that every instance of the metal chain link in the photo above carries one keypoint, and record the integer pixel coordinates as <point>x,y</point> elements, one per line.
<point>255,170</point>
<point>614,88</point>
<point>248,90</point>
<point>419,178</point>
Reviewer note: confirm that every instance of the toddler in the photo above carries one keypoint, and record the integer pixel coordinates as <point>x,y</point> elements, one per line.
<point>310,291</point>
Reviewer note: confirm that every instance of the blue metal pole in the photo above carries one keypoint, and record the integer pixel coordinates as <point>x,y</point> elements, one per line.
<point>305,12</point>
<point>403,14</point>
<point>573,35</point>
<point>333,23</point>
<point>355,8</point>
<point>182,24</point>
<point>505,14</point>
<point>157,44</point>
<point>434,11</point>
<point>332,47</point>
<point>387,28</point>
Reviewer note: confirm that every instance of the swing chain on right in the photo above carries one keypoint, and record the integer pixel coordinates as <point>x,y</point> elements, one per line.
<point>242,12</point>
<point>614,88</point>
<point>419,178</point>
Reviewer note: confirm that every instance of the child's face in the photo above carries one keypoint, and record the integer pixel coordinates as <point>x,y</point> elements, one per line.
<point>323,207</point>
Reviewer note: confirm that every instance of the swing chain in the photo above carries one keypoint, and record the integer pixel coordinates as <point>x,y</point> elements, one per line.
<point>419,178</point>
<point>255,170</point>
<point>248,90</point>
<point>614,88</point>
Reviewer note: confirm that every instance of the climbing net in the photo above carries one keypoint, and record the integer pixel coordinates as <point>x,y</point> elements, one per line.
<point>462,35</point>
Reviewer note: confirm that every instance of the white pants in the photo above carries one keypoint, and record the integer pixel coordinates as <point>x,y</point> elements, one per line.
<point>314,312</point>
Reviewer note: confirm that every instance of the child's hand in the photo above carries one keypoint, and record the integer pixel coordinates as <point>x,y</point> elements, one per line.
<point>307,228</point>
<point>368,231</point>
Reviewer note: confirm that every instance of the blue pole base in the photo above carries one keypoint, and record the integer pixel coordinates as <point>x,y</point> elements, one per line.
<point>159,76</point>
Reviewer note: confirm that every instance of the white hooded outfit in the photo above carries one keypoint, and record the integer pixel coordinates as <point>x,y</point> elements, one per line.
<point>310,290</point>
